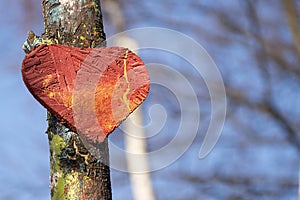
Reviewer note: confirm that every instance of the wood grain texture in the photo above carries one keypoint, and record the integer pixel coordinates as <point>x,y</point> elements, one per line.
<point>91,90</point>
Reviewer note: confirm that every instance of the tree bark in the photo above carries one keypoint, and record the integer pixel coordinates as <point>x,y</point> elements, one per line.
<point>74,172</point>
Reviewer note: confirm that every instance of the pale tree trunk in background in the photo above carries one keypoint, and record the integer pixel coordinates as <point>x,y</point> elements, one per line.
<point>135,144</point>
<point>75,173</point>
<point>135,137</point>
<point>291,15</point>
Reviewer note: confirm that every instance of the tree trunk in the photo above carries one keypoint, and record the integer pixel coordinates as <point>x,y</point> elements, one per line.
<point>74,172</point>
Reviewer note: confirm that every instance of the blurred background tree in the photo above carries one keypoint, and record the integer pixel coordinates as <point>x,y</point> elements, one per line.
<point>255,45</point>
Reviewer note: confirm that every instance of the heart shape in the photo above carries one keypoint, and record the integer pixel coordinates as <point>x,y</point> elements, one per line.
<point>91,90</point>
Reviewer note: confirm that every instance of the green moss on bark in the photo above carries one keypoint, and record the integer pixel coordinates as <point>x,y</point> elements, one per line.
<point>75,173</point>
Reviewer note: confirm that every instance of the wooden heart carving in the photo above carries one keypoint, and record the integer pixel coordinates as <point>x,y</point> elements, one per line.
<point>92,90</point>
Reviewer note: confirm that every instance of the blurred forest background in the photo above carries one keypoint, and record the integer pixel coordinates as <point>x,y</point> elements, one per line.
<point>256,46</point>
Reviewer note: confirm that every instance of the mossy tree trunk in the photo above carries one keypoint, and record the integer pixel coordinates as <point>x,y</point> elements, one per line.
<point>75,173</point>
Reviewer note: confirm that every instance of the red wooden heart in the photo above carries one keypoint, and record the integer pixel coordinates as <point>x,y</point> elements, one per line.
<point>92,90</point>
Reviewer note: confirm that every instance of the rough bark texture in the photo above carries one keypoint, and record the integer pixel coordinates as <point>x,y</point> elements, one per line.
<point>75,173</point>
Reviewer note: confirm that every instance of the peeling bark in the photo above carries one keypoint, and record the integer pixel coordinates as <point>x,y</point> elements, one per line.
<point>75,173</point>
